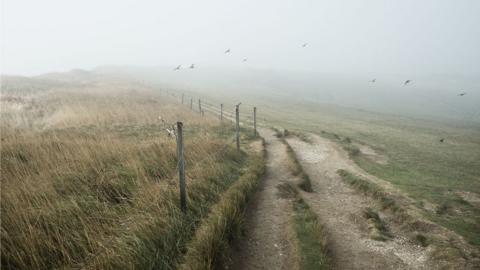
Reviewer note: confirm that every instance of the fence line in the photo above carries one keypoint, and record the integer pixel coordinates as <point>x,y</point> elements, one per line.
<point>218,110</point>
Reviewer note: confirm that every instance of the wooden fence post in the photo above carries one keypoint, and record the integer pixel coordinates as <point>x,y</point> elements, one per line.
<point>199,106</point>
<point>237,126</point>
<point>181,167</point>
<point>221,112</point>
<point>255,122</point>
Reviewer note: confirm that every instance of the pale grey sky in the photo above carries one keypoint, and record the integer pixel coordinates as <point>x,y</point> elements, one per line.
<point>407,37</point>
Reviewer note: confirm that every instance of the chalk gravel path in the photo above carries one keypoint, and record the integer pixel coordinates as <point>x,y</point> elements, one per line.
<point>340,208</point>
<point>268,243</point>
<point>268,240</point>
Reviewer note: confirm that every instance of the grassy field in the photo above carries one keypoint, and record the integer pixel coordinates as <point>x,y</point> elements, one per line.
<point>89,175</point>
<point>444,178</point>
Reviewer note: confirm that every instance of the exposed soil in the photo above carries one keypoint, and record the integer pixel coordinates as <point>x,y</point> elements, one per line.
<point>268,237</point>
<point>269,242</point>
<point>340,208</point>
<point>371,154</point>
<point>470,197</point>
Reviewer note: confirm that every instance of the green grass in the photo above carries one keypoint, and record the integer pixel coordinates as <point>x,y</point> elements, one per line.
<point>223,224</point>
<point>311,237</point>
<point>422,181</point>
<point>418,231</point>
<point>418,163</point>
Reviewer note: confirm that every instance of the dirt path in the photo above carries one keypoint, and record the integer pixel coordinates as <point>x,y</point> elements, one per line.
<point>340,208</point>
<point>267,244</point>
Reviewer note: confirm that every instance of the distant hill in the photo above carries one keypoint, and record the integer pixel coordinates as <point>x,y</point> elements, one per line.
<point>433,97</point>
<point>73,76</point>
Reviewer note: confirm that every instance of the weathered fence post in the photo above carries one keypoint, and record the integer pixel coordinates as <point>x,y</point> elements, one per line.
<point>255,122</point>
<point>237,126</point>
<point>199,106</point>
<point>221,112</point>
<point>191,103</point>
<point>181,167</point>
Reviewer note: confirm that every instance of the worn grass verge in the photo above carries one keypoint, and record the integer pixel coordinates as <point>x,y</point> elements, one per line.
<point>300,135</point>
<point>346,143</point>
<point>445,247</point>
<point>310,233</point>
<point>376,226</point>
<point>224,222</point>
<point>297,170</point>
<point>311,237</point>
<point>295,166</point>
<point>370,189</point>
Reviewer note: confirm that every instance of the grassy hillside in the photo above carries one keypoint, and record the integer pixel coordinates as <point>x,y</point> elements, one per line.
<point>89,175</point>
<point>444,177</point>
<point>428,96</point>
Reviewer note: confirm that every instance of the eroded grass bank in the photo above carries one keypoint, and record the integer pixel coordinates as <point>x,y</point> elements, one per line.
<point>223,224</point>
<point>294,165</point>
<point>445,246</point>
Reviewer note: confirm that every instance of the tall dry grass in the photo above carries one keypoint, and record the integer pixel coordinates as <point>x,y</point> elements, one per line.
<point>88,176</point>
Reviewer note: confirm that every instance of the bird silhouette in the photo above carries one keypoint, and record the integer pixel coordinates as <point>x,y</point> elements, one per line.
<point>192,66</point>
<point>245,59</point>
<point>227,51</point>
<point>442,139</point>
<point>374,80</point>
<point>406,82</point>
<point>462,94</point>
<point>177,68</point>
<point>304,45</point>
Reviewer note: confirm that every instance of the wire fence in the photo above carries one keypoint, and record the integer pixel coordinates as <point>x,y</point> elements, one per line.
<point>126,223</point>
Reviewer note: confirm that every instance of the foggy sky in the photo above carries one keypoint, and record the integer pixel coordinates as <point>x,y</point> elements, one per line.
<point>404,37</point>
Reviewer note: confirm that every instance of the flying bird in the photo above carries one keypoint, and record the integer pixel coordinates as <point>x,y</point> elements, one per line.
<point>177,68</point>
<point>304,45</point>
<point>227,51</point>
<point>442,139</point>
<point>374,80</point>
<point>406,82</point>
<point>192,66</point>
<point>245,59</point>
<point>462,94</point>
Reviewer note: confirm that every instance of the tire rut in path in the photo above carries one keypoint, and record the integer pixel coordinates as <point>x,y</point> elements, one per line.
<point>267,243</point>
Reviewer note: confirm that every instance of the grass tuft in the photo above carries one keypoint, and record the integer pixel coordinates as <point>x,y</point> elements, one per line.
<point>421,239</point>
<point>287,191</point>
<point>311,237</point>
<point>377,228</point>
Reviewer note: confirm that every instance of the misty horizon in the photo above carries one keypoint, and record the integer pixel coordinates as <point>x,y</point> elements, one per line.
<point>409,38</point>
